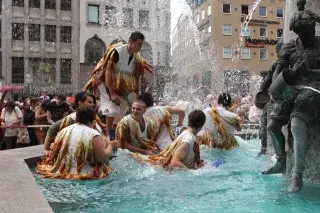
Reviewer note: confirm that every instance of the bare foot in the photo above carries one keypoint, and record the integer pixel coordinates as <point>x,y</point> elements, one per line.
<point>296,184</point>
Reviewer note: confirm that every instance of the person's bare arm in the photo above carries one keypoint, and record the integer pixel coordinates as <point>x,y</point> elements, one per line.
<point>38,116</point>
<point>179,155</point>
<point>51,134</point>
<point>101,153</point>
<point>49,117</point>
<point>177,111</point>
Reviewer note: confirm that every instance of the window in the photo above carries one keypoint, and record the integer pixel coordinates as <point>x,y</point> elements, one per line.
<point>226,8</point>
<point>263,11</point>
<point>50,33</point>
<point>34,3</point>
<point>94,50</point>
<point>65,72</point>
<point>263,32</point>
<point>279,33</point>
<point>245,31</point>
<point>209,10</point>
<point>203,14</point>
<point>34,32</point>
<point>158,57</point>
<point>110,16</point>
<point>227,52</point>
<point>17,31</point>
<point>50,4</point>
<point>93,13</point>
<point>245,53</point>
<point>263,54</point>
<point>226,29</point>
<point>144,19</point>
<point>18,3</point>
<point>66,5</point>
<point>128,18</point>
<point>195,81</point>
<point>280,13</point>
<point>206,79</point>
<point>198,18</point>
<point>17,70</point>
<point>65,34</point>
<point>209,29</point>
<point>244,9</point>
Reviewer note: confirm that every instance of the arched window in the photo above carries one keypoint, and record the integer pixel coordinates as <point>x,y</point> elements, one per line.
<point>146,52</point>
<point>94,50</point>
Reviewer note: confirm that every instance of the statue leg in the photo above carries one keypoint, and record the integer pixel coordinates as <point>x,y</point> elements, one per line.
<point>300,148</point>
<point>278,140</point>
<point>263,131</point>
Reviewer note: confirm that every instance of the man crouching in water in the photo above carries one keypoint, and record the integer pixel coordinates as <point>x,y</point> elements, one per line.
<point>136,132</point>
<point>184,151</point>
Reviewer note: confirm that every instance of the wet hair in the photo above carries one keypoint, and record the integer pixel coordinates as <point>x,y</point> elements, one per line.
<point>196,119</point>
<point>225,99</point>
<point>140,102</point>
<point>10,103</point>
<point>82,96</point>
<point>136,36</point>
<point>85,116</point>
<point>147,98</point>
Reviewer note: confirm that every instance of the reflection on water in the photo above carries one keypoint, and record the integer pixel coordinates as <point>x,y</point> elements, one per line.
<point>236,186</point>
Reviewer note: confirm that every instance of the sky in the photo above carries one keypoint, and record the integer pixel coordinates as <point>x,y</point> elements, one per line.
<point>177,6</point>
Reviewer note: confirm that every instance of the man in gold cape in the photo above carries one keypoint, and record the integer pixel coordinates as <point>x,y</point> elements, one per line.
<point>118,74</point>
<point>136,132</point>
<point>184,151</point>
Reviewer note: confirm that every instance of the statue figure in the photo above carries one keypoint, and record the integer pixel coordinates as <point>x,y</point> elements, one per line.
<point>268,106</point>
<point>298,69</point>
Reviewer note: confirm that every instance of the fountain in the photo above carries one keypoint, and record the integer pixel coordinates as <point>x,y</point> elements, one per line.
<point>138,188</point>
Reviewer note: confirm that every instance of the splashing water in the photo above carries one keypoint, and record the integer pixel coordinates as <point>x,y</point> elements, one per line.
<point>236,186</point>
<point>244,25</point>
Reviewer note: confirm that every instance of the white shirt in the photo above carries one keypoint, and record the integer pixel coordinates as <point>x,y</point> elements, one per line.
<point>9,119</point>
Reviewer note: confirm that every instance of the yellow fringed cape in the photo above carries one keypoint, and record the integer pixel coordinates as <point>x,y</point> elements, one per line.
<point>58,166</point>
<point>125,127</point>
<point>220,139</point>
<point>163,120</point>
<point>164,158</point>
<point>124,83</point>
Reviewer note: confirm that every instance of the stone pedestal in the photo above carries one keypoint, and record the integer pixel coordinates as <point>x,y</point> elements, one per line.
<point>312,171</point>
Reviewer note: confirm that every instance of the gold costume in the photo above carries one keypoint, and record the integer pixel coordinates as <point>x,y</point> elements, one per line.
<point>219,137</point>
<point>61,166</point>
<point>124,83</point>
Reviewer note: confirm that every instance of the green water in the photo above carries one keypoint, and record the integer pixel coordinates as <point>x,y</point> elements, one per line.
<point>236,186</point>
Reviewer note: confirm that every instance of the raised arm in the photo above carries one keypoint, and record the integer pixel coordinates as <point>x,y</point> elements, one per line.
<point>177,111</point>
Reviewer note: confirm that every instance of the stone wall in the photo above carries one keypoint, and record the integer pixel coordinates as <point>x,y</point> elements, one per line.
<point>312,172</point>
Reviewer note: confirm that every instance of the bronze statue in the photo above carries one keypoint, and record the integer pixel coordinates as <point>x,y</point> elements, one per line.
<point>298,68</point>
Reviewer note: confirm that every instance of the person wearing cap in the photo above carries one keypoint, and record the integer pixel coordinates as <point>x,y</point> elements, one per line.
<point>82,100</point>
<point>161,115</point>
<point>118,74</point>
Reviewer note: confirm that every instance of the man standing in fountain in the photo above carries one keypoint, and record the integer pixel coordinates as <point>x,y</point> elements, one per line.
<point>302,56</point>
<point>118,76</point>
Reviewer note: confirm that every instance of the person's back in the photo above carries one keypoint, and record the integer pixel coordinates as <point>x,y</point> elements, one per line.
<point>163,131</point>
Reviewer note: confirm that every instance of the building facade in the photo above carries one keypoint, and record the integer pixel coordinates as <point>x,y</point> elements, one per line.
<point>40,44</point>
<point>234,47</point>
<point>103,21</point>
